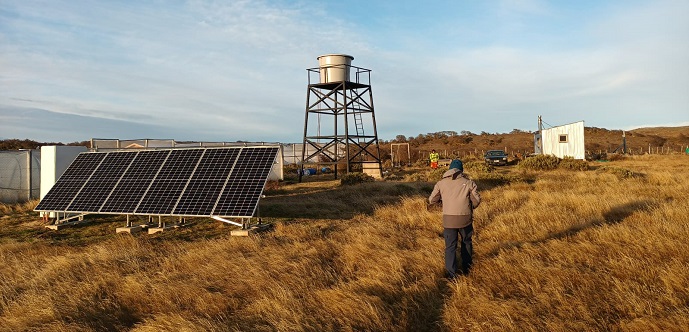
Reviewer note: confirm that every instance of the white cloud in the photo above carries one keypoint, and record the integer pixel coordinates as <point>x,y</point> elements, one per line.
<point>236,70</point>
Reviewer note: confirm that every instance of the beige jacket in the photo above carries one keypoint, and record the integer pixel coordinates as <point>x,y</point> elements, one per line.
<point>459,196</point>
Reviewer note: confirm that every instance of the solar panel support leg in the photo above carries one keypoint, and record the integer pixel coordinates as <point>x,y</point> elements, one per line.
<point>129,228</point>
<point>162,226</point>
<point>64,222</point>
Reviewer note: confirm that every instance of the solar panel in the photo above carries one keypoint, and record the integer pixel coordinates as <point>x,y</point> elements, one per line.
<point>170,182</point>
<point>135,182</point>
<point>225,182</point>
<point>102,182</point>
<point>207,182</point>
<point>72,180</point>
<point>245,185</point>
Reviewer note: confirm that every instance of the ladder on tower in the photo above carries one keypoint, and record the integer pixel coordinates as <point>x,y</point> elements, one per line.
<point>359,125</point>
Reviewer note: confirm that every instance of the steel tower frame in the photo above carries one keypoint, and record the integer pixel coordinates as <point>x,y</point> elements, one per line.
<point>343,102</point>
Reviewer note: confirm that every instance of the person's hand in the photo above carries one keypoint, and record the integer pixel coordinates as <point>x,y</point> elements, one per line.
<point>434,206</point>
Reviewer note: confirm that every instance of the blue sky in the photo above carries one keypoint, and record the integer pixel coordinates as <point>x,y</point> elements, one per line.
<point>236,70</point>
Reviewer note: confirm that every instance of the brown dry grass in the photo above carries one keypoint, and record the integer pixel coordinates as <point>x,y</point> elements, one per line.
<point>585,251</point>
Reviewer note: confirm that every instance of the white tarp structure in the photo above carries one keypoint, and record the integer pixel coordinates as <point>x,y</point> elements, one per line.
<point>564,141</point>
<point>20,176</point>
<point>54,162</point>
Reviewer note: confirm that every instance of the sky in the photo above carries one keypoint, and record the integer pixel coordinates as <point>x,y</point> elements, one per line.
<point>210,70</point>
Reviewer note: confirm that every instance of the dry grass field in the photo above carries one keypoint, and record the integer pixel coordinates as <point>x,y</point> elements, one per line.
<point>600,250</point>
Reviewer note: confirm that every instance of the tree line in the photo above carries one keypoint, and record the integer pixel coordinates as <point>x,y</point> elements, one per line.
<point>27,144</point>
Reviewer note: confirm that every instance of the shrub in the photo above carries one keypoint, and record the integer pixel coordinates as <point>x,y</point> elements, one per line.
<point>426,176</point>
<point>478,167</point>
<point>569,163</point>
<point>355,178</point>
<point>597,156</point>
<point>436,174</point>
<point>416,177</point>
<point>540,162</point>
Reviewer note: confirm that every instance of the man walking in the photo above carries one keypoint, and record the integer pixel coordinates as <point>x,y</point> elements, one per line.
<point>459,196</point>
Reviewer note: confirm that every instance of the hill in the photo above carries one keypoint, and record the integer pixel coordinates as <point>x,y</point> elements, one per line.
<point>450,143</point>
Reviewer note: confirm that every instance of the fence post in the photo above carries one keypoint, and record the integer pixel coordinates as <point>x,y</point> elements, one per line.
<point>28,165</point>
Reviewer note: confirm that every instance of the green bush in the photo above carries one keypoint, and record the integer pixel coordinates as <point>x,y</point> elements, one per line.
<point>355,178</point>
<point>540,162</point>
<point>436,174</point>
<point>478,167</point>
<point>569,163</point>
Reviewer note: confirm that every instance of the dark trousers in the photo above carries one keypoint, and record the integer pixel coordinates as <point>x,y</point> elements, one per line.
<point>452,236</point>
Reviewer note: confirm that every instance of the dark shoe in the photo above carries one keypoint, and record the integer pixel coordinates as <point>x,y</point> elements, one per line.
<point>452,277</point>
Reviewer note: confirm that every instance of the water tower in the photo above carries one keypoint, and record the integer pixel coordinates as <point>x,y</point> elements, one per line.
<point>340,123</point>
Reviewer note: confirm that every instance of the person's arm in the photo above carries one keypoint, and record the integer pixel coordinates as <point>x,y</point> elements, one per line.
<point>435,195</point>
<point>474,195</point>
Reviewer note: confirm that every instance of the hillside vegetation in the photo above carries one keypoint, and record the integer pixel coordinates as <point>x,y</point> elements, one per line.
<point>596,140</point>
<point>462,143</point>
<point>561,250</point>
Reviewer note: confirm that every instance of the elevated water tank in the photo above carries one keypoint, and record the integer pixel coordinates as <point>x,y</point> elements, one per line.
<point>334,67</point>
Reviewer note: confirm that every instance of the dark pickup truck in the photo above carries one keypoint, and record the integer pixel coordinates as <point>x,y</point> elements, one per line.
<point>496,157</point>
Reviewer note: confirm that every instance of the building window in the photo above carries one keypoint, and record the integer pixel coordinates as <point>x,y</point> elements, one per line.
<point>563,138</point>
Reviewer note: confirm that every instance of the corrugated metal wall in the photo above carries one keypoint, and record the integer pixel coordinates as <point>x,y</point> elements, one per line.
<point>574,145</point>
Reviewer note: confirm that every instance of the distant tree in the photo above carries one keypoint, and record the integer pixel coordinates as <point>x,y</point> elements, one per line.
<point>517,131</point>
<point>448,133</point>
<point>400,139</point>
<point>82,143</point>
<point>466,132</point>
<point>16,144</point>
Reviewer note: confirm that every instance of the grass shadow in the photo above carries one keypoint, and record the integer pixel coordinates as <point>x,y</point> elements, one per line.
<point>613,216</point>
<point>341,202</point>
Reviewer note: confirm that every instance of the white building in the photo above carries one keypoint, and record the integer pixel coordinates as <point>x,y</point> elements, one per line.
<point>564,141</point>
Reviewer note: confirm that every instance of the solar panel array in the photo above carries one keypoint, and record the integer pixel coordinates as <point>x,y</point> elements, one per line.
<point>224,182</point>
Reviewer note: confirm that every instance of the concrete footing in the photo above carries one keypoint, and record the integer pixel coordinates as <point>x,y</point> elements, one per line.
<point>130,230</point>
<point>60,226</point>
<point>250,230</point>
<point>153,230</point>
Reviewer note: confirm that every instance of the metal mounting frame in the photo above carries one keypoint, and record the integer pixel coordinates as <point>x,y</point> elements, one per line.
<point>343,101</point>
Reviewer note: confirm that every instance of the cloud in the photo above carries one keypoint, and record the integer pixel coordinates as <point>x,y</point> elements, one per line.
<point>60,127</point>
<point>211,70</point>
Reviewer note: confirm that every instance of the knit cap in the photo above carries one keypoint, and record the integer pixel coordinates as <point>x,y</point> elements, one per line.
<point>456,163</point>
